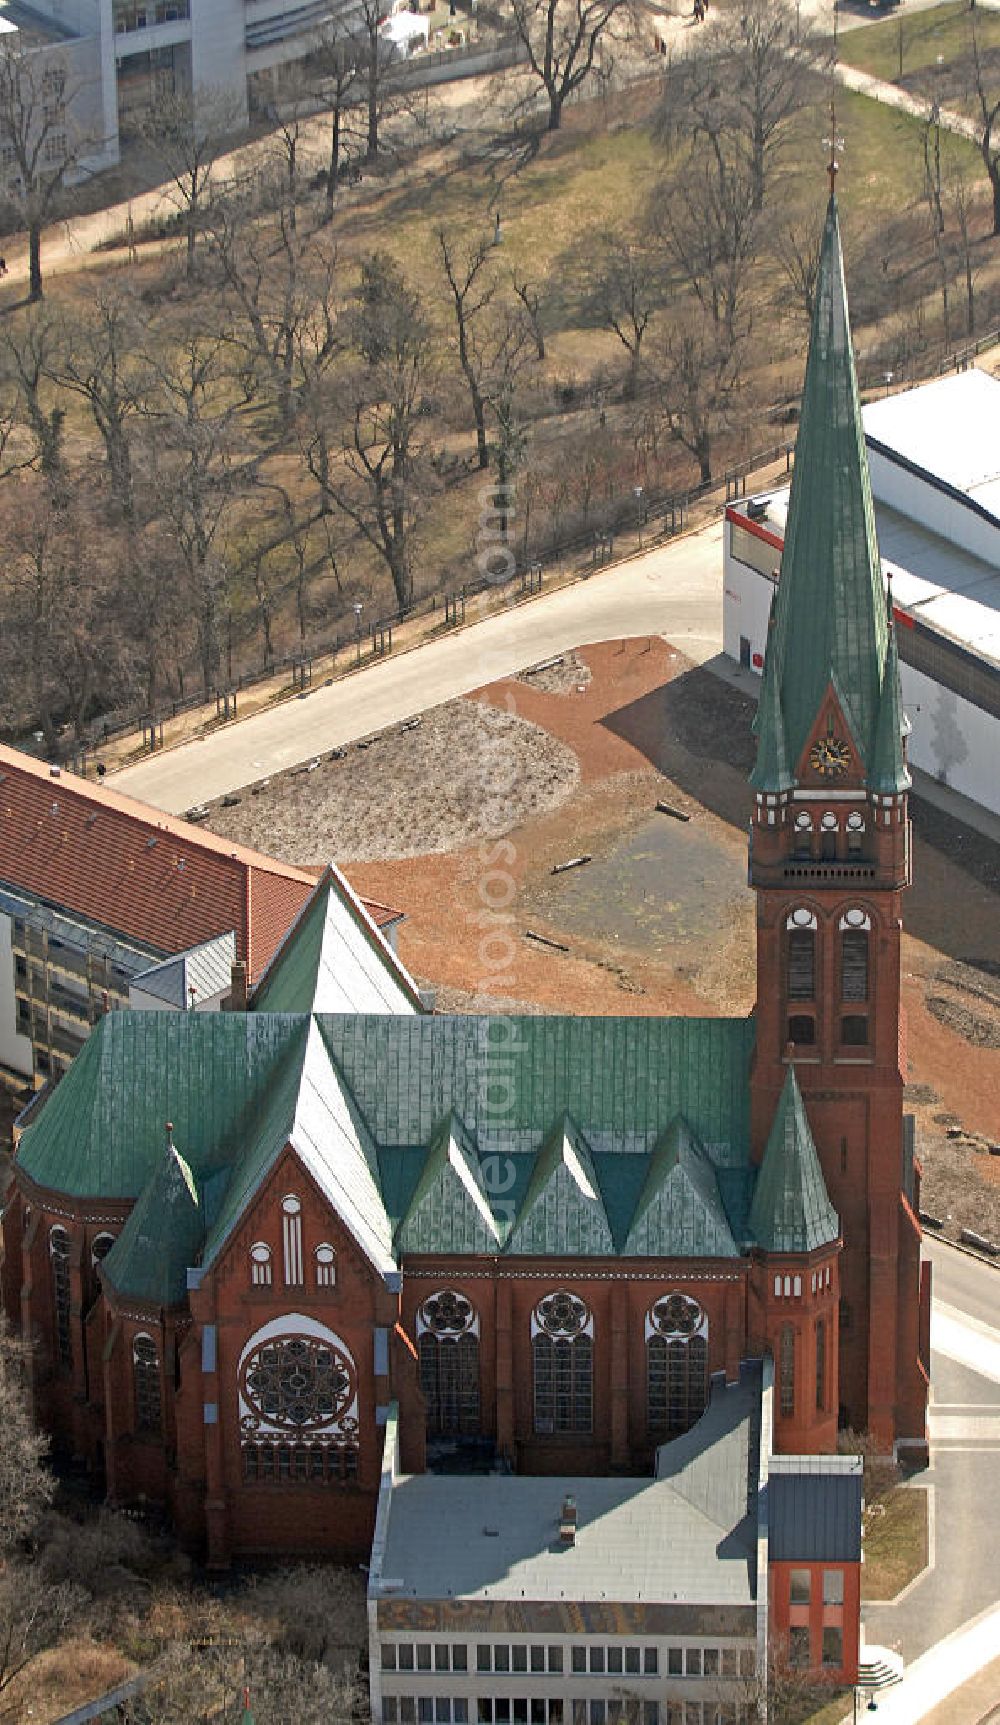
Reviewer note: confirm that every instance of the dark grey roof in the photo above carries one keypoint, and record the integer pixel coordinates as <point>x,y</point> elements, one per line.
<point>814,1508</point>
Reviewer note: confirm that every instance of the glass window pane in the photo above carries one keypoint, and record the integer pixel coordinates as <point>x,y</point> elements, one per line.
<point>388,1657</point>
<point>833,1645</point>
<point>555,1658</point>
<point>538,1659</point>
<point>692,1662</point>
<point>459,1657</point>
<point>614,1659</point>
<point>632,1660</point>
<point>579,1659</point>
<point>441,1657</point>
<point>833,1587</point>
<point>483,1661</point>
<point>649,1664</point>
<point>801,1587</point>
<point>798,1648</point>
<point>423,1656</point>
<point>597,1659</point>
<point>501,1657</point>
<point>405,1657</point>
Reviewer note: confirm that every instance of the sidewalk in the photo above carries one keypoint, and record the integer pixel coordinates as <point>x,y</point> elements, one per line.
<point>955,1683</point>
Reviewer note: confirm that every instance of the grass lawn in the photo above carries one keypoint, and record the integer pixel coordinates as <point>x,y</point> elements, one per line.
<point>895,1544</point>
<point>943,30</point>
<point>829,1712</point>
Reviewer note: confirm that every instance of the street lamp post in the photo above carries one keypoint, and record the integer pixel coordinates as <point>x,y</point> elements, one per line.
<point>357,624</point>
<point>887,380</point>
<point>638,511</point>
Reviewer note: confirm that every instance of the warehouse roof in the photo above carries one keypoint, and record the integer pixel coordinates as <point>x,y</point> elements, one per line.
<point>949,430</point>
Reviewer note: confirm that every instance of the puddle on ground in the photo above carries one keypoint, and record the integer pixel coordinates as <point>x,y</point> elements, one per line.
<point>664,883</point>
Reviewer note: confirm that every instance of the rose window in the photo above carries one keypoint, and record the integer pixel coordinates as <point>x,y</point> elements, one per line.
<point>447,1313</point>
<point>297,1382</point>
<point>562,1314</point>
<point>676,1315</point>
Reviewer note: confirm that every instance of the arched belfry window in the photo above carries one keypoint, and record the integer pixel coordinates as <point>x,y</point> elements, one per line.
<point>800,935</point>
<point>291,1235</point>
<point>676,1365</point>
<point>803,834</point>
<point>298,1405</point>
<point>448,1347</point>
<point>146,1378</point>
<point>855,833</point>
<point>59,1259</point>
<point>562,1348</point>
<point>100,1246</point>
<point>855,934</point>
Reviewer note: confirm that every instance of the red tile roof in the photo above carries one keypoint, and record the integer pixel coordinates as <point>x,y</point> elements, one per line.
<point>149,876</point>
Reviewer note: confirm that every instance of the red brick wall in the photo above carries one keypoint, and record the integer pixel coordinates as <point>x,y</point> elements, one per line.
<point>814,1616</point>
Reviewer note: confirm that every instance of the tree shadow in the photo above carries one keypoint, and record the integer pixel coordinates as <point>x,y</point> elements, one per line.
<point>696,731</point>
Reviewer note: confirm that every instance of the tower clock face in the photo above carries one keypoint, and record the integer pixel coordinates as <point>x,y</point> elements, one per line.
<point>830,757</point>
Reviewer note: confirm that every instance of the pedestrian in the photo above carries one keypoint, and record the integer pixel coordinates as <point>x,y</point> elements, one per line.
<point>3,267</point>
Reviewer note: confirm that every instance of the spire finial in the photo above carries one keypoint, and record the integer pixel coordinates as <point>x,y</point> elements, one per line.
<point>834,142</point>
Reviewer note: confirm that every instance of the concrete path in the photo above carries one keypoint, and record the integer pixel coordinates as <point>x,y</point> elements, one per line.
<point>891,96</point>
<point>675,591</point>
<point>947,1623</point>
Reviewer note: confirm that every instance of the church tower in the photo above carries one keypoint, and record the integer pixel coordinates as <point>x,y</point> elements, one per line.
<point>829,861</point>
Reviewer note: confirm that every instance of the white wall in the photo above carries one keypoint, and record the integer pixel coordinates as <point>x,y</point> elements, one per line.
<point>746,605</point>
<point>218,55</point>
<point>15,1049</point>
<point>140,1001</point>
<point>955,742</point>
<point>947,516</point>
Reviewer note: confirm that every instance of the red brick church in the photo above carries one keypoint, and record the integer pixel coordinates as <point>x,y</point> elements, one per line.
<point>540,1237</point>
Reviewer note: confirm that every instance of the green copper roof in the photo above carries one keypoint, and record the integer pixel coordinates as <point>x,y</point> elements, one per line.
<point>791,1209</point>
<point>422,1133</point>
<point>333,959</point>
<point>563,1211</point>
<point>889,774</point>
<point>680,1213</point>
<point>830,620</point>
<point>771,771</point>
<point>162,1236</point>
<point>450,1209</point>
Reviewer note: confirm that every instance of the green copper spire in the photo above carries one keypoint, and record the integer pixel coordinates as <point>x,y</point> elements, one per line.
<point>771,771</point>
<point>888,773</point>
<point>830,621</point>
<point>791,1209</point>
<point>163,1235</point>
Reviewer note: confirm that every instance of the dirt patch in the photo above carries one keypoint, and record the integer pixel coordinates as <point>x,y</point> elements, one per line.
<point>465,771</point>
<point>568,674</point>
<point>965,1023</point>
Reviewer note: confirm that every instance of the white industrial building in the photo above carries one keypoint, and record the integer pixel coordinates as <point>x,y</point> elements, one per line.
<point>934,457</point>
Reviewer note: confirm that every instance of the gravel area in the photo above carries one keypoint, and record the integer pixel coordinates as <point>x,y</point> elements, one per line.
<point>464,771</point>
<point>563,676</point>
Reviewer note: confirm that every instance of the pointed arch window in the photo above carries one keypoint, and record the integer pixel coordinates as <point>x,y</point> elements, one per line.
<point>676,1365</point>
<point>800,936</point>
<point>326,1266</point>
<point>448,1349</point>
<point>562,1349</point>
<point>291,1234</point>
<point>146,1378</point>
<point>855,934</point>
<point>61,1296</point>
<point>786,1371</point>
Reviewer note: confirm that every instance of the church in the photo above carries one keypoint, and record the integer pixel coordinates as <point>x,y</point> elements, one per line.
<point>245,1242</point>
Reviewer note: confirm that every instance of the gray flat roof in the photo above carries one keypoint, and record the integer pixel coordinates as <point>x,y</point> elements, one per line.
<point>949,428</point>
<point>687,1535</point>
<point>952,591</point>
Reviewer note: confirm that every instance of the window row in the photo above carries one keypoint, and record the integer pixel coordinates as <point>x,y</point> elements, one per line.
<point>591,1659</point>
<point>526,1710</point>
<point>315,1464</point>
<point>790,1287</point>
<point>800,1587</point>
<point>562,1351</point>
<point>834,839</point>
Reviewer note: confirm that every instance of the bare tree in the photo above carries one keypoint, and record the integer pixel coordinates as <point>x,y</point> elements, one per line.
<point>563,40</point>
<point>29,352</point>
<point>337,71</point>
<point>185,131</point>
<point>698,370</point>
<point>798,243</point>
<point>191,1681</point>
<point>986,94</point>
<point>472,284</point>
<point>198,471</point>
<point>101,363</point>
<point>374,482</point>
<point>742,86</point>
<point>281,285</point>
<point>36,137</point>
<point>531,299</point>
<point>711,233</point>
<point>626,295</point>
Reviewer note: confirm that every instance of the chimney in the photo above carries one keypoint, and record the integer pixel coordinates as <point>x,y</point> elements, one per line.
<point>567,1521</point>
<point>238,990</point>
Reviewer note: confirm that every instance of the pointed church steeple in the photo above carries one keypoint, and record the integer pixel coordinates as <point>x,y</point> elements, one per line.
<point>830,625</point>
<point>889,774</point>
<point>791,1209</point>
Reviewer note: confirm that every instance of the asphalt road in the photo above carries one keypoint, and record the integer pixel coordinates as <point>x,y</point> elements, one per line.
<point>674,591</point>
